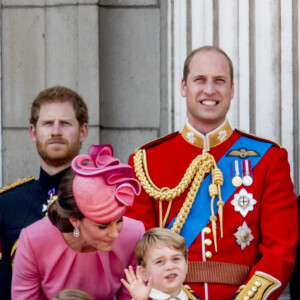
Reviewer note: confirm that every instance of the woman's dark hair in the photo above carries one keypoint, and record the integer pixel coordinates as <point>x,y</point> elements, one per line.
<point>65,206</point>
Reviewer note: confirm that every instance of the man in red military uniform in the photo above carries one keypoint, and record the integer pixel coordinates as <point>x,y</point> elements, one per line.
<point>228,193</point>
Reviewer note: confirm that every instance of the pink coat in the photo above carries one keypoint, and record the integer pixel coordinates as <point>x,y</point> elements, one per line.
<point>45,264</point>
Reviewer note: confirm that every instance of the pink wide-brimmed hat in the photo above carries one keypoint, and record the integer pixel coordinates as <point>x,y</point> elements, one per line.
<point>103,187</point>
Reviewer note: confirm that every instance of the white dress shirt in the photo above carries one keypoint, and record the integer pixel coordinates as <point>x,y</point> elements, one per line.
<point>159,295</point>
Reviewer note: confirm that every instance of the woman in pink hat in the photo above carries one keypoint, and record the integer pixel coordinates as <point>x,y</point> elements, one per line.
<point>86,243</point>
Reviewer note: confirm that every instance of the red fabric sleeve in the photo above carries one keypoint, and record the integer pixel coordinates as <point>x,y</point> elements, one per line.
<point>143,208</point>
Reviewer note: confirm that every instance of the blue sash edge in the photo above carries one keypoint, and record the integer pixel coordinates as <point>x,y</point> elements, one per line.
<point>200,212</point>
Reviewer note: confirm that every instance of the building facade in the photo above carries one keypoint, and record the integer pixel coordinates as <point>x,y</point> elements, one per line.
<point>125,57</point>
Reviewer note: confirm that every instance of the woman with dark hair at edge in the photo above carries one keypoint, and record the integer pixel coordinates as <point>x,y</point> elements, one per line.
<point>86,243</point>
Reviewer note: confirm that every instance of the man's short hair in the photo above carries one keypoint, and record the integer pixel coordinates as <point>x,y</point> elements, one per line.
<point>59,94</point>
<point>159,237</point>
<point>186,68</point>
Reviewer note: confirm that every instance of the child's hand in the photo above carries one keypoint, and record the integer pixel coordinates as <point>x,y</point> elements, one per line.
<point>135,284</point>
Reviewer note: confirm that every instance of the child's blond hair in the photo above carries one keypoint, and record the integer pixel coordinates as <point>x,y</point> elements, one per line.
<point>156,237</point>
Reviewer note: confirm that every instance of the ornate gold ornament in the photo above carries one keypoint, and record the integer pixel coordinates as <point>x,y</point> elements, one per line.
<point>195,173</point>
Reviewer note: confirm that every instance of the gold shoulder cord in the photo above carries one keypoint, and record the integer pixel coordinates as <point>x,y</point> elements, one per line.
<point>195,173</point>
<point>15,184</point>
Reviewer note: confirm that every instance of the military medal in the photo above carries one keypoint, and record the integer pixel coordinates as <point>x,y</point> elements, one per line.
<point>51,193</point>
<point>51,199</point>
<point>243,202</point>
<point>236,179</point>
<point>243,236</point>
<point>247,174</point>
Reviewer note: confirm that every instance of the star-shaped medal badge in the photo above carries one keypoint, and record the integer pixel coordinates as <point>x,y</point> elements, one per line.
<point>244,236</point>
<point>243,202</point>
<point>45,207</point>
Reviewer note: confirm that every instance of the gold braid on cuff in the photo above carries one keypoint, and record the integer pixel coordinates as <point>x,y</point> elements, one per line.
<point>259,287</point>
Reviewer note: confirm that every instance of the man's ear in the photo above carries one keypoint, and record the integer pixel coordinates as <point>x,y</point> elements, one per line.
<point>232,90</point>
<point>83,132</point>
<point>32,132</point>
<point>183,88</point>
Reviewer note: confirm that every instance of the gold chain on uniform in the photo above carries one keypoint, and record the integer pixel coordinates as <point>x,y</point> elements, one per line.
<point>195,173</point>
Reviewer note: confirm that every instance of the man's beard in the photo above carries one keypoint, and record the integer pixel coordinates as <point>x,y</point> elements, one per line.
<point>56,157</point>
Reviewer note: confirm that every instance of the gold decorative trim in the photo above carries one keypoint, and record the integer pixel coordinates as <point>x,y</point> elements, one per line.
<point>259,287</point>
<point>210,140</point>
<point>16,183</point>
<point>13,252</point>
<point>11,186</point>
<point>195,173</point>
<point>189,292</point>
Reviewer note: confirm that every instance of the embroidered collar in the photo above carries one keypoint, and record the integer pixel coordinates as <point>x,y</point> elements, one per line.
<point>210,140</point>
<point>158,295</point>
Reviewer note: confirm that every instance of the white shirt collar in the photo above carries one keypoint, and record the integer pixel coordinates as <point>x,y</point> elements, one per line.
<point>159,295</point>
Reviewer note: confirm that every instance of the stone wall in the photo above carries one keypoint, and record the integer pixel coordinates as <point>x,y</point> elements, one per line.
<point>44,43</point>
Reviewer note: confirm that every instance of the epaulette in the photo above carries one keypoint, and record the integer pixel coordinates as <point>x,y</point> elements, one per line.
<point>11,186</point>
<point>257,138</point>
<point>158,141</point>
<point>190,293</point>
<point>16,183</point>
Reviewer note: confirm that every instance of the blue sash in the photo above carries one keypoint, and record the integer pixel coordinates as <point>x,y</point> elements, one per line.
<point>200,212</point>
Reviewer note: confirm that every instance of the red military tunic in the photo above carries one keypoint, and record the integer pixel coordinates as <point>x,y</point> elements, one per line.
<point>257,249</point>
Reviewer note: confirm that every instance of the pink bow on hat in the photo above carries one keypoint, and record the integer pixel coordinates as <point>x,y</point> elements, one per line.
<point>100,180</point>
<point>99,160</point>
